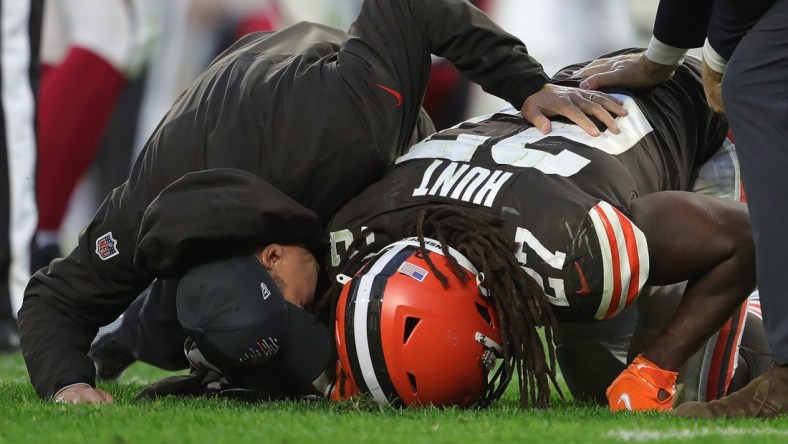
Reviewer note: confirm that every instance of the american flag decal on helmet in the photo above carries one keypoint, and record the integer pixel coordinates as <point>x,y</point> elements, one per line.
<point>413,271</point>
<point>106,246</point>
<point>625,258</point>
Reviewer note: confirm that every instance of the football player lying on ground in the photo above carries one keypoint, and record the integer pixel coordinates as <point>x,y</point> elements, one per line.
<point>253,113</point>
<point>563,226</point>
<point>593,221</point>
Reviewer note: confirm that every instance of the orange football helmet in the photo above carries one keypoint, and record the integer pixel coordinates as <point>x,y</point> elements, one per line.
<point>408,341</point>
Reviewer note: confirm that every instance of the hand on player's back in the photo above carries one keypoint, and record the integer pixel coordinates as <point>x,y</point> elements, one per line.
<point>576,105</point>
<point>632,71</point>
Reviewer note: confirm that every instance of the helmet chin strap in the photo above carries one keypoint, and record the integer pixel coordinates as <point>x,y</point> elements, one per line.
<point>343,278</point>
<point>480,285</point>
<point>489,343</point>
<point>495,385</point>
<point>492,350</point>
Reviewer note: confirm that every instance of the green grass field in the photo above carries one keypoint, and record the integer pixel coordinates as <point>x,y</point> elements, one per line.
<point>26,419</point>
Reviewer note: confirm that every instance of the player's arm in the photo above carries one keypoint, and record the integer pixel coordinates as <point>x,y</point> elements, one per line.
<point>706,241</point>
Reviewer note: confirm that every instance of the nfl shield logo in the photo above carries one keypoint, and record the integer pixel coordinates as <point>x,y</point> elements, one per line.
<point>106,246</point>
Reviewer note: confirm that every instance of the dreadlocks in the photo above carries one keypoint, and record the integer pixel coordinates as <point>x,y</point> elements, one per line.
<point>520,302</point>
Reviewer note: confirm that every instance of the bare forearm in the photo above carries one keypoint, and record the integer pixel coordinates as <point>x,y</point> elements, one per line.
<point>707,242</point>
<point>706,305</point>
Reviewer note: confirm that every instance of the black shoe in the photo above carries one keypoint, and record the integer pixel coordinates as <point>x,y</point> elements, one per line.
<point>9,336</point>
<point>109,356</point>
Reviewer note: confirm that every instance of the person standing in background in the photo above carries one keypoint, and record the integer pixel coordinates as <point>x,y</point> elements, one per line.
<point>745,74</point>
<point>20,30</point>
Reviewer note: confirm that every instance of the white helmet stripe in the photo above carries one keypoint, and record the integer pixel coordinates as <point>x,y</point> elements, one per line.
<point>360,334</point>
<point>624,258</point>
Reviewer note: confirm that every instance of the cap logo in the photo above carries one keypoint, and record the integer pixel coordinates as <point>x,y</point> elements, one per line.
<point>262,349</point>
<point>264,289</point>
<point>106,246</point>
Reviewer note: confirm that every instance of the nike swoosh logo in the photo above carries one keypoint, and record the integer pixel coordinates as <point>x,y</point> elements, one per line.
<point>585,290</point>
<point>625,399</point>
<point>393,92</point>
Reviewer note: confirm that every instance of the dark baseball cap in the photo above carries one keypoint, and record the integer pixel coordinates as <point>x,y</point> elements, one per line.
<point>238,316</point>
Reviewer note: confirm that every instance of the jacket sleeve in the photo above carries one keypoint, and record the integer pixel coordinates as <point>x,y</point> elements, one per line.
<point>682,23</point>
<point>66,303</point>
<point>685,24</point>
<point>387,59</point>
<point>400,35</point>
<point>245,212</point>
<point>730,21</point>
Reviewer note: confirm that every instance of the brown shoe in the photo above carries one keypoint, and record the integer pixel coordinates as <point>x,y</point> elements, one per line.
<point>765,397</point>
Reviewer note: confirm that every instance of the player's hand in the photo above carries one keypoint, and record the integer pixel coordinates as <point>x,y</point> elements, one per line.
<point>574,104</point>
<point>642,386</point>
<point>712,86</point>
<point>82,394</point>
<point>633,71</point>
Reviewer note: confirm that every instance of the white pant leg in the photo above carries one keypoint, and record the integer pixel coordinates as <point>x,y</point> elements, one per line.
<point>16,93</point>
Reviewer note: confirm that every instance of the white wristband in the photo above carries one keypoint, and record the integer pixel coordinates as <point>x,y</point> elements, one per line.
<point>663,54</point>
<point>713,58</point>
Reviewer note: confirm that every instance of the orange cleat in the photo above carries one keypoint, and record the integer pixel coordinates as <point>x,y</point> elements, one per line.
<point>642,386</point>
